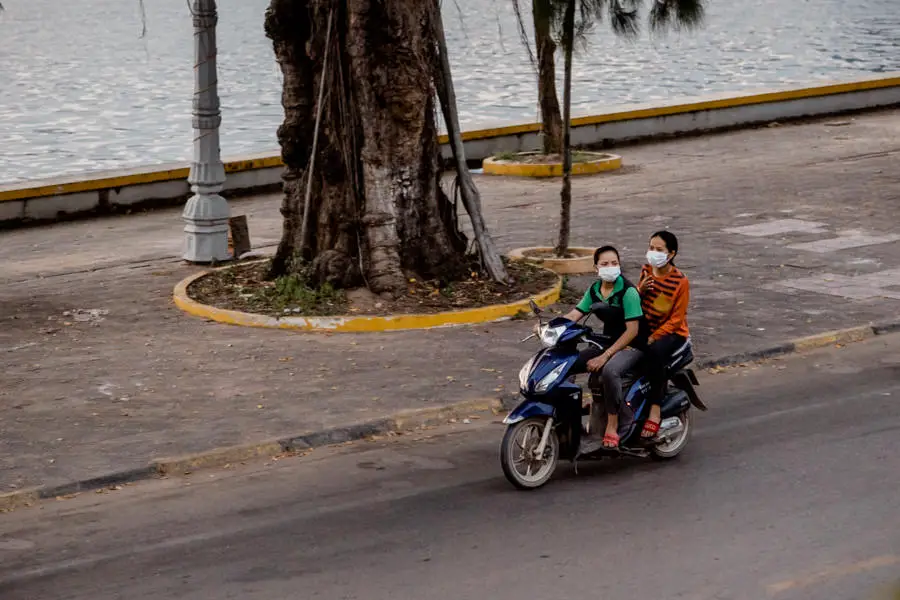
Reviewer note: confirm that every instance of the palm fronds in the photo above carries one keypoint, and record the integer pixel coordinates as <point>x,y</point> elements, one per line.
<point>676,14</point>
<point>624,17</point>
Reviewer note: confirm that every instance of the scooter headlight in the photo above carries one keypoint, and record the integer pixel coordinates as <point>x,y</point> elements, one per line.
<point>549,379</point>
<point>550,335</point>
<point>525,372</point>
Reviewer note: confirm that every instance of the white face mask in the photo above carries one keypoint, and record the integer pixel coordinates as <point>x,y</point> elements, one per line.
<point>609,274</point>
<point>657,259</point>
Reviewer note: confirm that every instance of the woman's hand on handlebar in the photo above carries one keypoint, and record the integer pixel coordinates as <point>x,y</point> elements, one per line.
<point>574,315</point>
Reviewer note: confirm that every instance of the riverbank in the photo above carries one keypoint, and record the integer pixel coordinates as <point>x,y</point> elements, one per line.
<point>786,232</point>
<point>154,187</point>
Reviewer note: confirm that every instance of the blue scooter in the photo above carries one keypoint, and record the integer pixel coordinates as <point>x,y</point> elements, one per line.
<point>547,425</point>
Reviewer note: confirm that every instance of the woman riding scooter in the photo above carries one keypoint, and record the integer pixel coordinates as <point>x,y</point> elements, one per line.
<point>609,366</point>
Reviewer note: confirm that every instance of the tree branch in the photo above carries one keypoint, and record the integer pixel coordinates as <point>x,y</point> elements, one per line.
<point>471,198</point>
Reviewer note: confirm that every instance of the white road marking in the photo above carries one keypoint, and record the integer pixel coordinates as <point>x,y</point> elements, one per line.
<point>858,287</point>
<point>845,239</point>
<point>15,545</point>
<point>778,227</point>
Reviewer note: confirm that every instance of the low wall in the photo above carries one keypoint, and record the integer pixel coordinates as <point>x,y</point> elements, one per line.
<point>121,190</point>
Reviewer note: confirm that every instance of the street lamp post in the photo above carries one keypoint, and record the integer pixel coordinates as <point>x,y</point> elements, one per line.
<point>206,212</point>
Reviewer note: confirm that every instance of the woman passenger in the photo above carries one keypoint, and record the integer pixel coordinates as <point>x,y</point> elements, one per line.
<point>665,293</point>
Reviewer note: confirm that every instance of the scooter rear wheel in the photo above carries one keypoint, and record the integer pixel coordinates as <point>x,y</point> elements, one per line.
<point>677,442</point>
<point>521,467</point>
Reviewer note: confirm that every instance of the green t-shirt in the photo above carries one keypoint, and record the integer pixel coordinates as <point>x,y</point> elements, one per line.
<point>630,301</point>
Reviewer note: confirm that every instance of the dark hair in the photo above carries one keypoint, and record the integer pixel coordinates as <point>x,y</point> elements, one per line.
<point>670,240</point>
<point>603,249</point>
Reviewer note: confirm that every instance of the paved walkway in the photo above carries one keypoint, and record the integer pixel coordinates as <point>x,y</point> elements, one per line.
<point>786,231</point>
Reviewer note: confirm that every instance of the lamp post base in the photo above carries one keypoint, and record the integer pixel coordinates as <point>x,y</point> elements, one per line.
<point>206,229</point>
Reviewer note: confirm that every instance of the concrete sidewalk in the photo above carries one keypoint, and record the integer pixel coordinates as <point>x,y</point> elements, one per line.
<point>786,232</point>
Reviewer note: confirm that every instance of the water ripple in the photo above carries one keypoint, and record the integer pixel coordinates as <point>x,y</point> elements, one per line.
<point>81,91</point>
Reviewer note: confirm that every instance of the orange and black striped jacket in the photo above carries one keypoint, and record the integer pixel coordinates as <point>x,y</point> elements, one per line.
<point>665,306</point>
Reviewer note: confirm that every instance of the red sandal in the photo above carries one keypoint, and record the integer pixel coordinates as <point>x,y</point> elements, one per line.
<point>610,441</point>
<point>651,428</point>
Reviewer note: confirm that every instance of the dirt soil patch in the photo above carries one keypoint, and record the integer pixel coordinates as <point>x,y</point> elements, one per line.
<point>530,158</point>
<point>245,288</point>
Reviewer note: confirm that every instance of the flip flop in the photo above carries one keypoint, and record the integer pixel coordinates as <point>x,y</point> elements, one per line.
<point>610,441</point>
<point>651,428</point>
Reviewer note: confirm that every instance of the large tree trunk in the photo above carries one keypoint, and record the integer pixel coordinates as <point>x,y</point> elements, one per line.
<point>377,213</point>
<point>565,212</point>
<point>551,120</point>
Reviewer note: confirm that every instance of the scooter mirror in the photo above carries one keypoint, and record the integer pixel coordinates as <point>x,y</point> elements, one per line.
<point>534,307</point>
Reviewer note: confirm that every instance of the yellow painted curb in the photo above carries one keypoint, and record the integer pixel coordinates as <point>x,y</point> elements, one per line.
<point>352,323</point>
<point>216,458</point>
<point>494,166</point>
<point>843,336</point>
<point>125,179</point>
<point>18,499</point>
<point>583,263</point>
<point>434,415</point>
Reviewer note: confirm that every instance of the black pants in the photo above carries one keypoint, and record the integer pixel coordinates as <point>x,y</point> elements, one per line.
<point>656,357</point>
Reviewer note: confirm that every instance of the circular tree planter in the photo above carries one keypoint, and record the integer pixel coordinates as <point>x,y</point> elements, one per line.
<point>546,294</point>
<point>536,164</point>
<point>579,260</point>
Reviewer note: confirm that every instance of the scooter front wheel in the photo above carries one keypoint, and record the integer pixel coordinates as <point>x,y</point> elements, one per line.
<point>521,465</point>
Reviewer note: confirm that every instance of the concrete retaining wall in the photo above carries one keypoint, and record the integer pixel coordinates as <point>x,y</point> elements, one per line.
<point>119,191</point>
<point>116,191</point>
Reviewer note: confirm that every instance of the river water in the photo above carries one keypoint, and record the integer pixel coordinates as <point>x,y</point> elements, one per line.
<point>82,90</point>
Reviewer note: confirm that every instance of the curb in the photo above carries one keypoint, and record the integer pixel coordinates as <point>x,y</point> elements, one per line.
<point>217,457</point>
<point>604,162</point>
<point>357,324</point>
<point>583,263</point>
<point>404,420</point>
<point>805,344</point>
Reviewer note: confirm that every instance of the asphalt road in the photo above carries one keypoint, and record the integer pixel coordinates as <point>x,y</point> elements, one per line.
<point>790,489</point>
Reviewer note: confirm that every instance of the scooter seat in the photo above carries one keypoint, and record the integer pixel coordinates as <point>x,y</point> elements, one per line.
<point>682,357</point>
